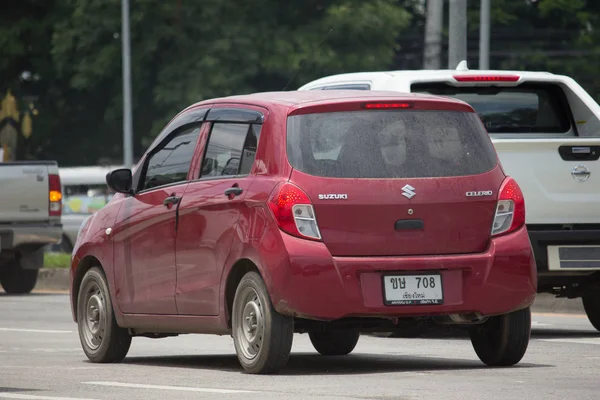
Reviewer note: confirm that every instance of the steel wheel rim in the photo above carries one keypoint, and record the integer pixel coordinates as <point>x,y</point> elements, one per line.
<point>94,317</point>
<point>250,324</point>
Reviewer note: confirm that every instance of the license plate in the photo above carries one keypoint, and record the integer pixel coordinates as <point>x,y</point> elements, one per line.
<point>413,289</point>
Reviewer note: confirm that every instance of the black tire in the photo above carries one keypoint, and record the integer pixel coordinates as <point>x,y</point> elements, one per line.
<point>107,343</point>
<point>502,340</point>
<point>16,280</point>
<point>334,343</point>
<point>591,305</point>
<point>262,337</point>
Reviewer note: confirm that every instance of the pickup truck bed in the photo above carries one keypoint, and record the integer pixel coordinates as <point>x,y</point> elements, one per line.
<point>30,210</point>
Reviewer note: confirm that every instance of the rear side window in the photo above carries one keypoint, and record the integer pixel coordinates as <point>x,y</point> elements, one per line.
<point>528,108</point>
<point>389,144</point>
<point>231,150</point>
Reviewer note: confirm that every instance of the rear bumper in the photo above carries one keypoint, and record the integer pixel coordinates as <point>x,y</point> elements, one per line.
<point>542,238</point>
<point>319,286</point>
<point>18,235</point>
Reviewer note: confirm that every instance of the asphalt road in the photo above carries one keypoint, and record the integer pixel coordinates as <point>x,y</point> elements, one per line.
<point>41,358</point>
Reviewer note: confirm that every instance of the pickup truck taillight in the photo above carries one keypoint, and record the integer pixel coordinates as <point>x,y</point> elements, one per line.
<point>510,210</point>
<point>54,196</point>
<point>294,212</point>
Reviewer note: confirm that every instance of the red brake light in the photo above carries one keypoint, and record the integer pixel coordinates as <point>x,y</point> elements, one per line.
<point>54,196</point>
<point>510,210</point>
<point>293,212</point>
<point>387,105</point>
<point>486,78</point>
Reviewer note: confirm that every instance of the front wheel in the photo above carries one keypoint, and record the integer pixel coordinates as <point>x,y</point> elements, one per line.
<point>102,340</point>
<point>591,305</point>
<point>334,343</point>
<point>262,337</point>
<point>502,340</point>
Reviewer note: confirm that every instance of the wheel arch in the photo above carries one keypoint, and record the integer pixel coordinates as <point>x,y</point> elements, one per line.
<point>235,275</point>
<point>86,263</point>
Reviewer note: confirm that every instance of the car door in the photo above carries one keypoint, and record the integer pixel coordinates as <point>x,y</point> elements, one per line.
<point>210,209</point>
<point>144,235</point>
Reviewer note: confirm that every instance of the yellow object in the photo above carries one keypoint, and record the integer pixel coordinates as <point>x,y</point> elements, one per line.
<point>55,195</point>
<point>9,107</point>
<point>26,126</point>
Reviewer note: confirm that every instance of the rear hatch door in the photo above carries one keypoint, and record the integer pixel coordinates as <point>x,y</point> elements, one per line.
<point>397,182</point>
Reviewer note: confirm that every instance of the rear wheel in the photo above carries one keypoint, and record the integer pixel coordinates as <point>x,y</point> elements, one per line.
<point>334,343</point>
<point>102,340</point>
<point>591,305</point>
<point>16,280</point>
<point>262,337</point>
<point>502,340</point>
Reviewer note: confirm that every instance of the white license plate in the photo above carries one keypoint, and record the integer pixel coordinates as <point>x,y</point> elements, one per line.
<point>413,289</point>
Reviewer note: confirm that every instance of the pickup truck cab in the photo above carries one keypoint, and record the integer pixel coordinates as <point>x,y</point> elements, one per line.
<point>30,211</point>
<point>546,130</point>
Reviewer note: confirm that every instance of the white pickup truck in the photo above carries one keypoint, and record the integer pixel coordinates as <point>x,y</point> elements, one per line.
<point>30,212</point>
<point>546,129</point>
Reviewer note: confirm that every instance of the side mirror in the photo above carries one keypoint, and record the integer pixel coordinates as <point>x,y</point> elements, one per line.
<point>120,180</point>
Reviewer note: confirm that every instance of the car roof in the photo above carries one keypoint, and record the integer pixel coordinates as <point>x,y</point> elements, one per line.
<point>322,97</point>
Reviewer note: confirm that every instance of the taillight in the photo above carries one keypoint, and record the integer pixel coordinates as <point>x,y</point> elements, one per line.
<point>54,196</point>
<point>510,210</point>
<point>294,212</point>
<point>486,78</point>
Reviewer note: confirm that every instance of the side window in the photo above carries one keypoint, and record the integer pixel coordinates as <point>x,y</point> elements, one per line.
<point>250,146</point>
<point>231,150</point>
<point>171,161</point>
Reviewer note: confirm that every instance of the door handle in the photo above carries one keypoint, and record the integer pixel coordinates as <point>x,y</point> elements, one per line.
<point>171,200</point>
<point>233,191</point>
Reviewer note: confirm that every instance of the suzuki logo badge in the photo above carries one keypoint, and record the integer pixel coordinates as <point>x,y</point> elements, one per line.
<point>408,191</point>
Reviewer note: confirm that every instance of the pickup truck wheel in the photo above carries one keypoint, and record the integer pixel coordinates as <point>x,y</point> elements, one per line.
<point>502,340</point>
<point>16,280</point>
<point>334,343</point>
<point>262,337</point>
<point>102,340</point>
<point>591,305</point>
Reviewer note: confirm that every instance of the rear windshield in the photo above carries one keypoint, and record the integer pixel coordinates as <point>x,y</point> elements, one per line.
<point>389,144</point>
<point>528,108</point>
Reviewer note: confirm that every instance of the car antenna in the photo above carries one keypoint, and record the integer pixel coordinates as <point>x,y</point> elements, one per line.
<point>302,62</point>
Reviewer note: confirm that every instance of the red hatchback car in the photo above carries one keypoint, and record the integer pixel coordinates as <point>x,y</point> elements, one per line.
<point>330,213</point>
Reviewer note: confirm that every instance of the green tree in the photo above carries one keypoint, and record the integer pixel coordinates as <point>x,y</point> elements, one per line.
<point>186,51</point>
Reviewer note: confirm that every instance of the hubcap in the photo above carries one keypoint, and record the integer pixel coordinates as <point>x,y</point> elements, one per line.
<point>94,325</point>
<point>250,324</point>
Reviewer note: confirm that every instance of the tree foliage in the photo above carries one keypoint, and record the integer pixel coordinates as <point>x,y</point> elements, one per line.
<point>184,51</point>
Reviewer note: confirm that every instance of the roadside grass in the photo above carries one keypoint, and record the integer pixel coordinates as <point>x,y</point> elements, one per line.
<point>57,260</point>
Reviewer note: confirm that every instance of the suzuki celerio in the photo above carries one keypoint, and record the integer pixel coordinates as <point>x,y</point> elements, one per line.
<point>331,213</point>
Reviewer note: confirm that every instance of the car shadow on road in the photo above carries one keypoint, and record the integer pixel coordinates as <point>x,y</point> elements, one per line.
<point>315,364</point>
<point>563,334</point>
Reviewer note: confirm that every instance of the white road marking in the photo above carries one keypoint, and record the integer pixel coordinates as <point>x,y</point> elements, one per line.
<point>595,341</point>
<point>161,387</point>
<point>32,330</point>
<point>10,395</point>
